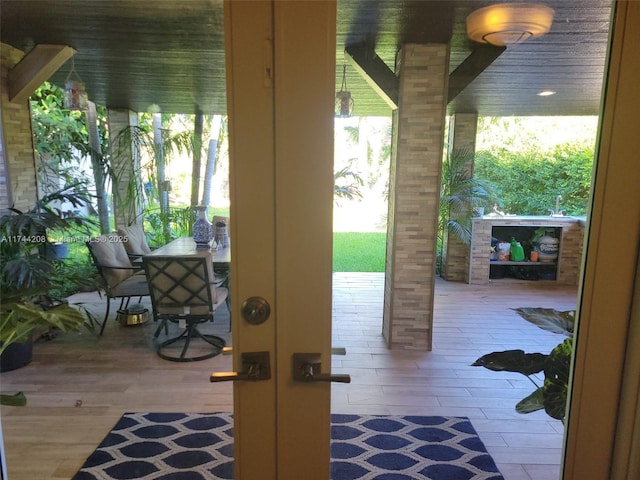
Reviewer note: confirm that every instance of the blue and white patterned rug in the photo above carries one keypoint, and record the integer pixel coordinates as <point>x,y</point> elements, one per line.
<point>190,446</point>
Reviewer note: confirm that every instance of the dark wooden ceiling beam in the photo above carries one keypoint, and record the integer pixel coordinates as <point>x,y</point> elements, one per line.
<point>471,67</point>
<point>386,84</point>
<point>35,68</point>
<point>375,72</point>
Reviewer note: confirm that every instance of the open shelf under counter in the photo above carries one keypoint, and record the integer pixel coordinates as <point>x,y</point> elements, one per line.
<point>527,264</point>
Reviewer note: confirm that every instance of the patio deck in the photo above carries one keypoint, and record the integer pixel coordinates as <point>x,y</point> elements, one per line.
<point>78,385</point>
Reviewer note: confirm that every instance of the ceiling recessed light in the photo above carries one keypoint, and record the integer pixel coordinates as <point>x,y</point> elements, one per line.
<point>546,93</point>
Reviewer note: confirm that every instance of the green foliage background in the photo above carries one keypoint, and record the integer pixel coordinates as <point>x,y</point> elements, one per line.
<point>528,182</point>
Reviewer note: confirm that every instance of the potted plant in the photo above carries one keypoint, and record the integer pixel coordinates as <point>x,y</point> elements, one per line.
<point>55,250</point>
<point>27,278</point>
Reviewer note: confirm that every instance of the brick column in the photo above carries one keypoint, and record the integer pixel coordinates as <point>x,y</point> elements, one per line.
<point>414,196</point>
<point>125,160</point>
<point>18,180</point>
<point>455,254</point>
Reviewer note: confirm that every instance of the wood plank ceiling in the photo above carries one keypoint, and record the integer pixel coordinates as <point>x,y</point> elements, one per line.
<point>135,54</point>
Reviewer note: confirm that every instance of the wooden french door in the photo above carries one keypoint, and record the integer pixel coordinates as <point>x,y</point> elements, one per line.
<point>603,431</point>
<point>280,89</point>
<point>280,60</point>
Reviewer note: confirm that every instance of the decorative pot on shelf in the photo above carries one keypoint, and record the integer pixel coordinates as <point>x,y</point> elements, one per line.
<point>221,236</point>
<point>548,249</point>
<point>202,228</point>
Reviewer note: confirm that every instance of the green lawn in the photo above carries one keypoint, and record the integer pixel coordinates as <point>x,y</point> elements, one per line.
<point>359,251</point>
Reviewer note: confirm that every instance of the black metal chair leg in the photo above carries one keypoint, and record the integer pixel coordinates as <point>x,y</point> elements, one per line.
<point>106,316</point>
<point>212,339</point>
<point>187,335</point>
<point>163,323</point>
<point>187,342</point>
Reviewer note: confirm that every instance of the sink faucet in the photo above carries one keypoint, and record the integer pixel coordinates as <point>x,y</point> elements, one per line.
<point>557,212</point>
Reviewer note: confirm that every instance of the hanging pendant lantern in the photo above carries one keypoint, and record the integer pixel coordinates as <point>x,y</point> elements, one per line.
<point>344,102</point>
<point>75,95</point>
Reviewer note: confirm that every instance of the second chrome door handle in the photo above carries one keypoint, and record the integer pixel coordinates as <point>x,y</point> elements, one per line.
<point>307,367</point>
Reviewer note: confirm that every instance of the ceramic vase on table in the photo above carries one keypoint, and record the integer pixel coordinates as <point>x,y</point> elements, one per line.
<point>202,229</point>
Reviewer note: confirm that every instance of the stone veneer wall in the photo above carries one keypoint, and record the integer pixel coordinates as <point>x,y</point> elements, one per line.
<point>569,255</point>
<point>391,244</point>
<point>5,193</point>
<point>463,128</point>
<point>414,196</point>
<point>18,187</point>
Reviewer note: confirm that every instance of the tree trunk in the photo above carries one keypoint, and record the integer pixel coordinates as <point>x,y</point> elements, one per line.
<point>163,194</point>
<point>99,176</point>
<point>159,152</point>
<point>217,134</point>
<point>198,125</point>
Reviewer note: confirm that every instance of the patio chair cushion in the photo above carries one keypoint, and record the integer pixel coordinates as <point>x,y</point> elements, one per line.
<point>110,252</point>
<point>134,286</point>
<point>134,240</point>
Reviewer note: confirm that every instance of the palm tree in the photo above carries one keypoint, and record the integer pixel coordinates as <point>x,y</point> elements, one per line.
<point>347,184</point>
<point>460,194</point>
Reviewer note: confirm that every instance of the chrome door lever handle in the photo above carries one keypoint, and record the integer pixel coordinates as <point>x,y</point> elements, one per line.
<point>307,367</point>
<point>255,366</point>
<point>309,375</point>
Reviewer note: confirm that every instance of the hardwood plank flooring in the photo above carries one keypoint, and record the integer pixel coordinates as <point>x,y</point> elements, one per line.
<point>78,385</point>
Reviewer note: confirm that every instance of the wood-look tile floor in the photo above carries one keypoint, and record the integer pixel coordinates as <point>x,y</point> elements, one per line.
<point>78,385</point>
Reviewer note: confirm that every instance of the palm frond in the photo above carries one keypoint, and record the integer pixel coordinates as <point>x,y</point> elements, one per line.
<point>460,193</point>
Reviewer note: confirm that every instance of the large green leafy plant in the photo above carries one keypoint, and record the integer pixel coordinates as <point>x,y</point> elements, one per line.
<point>27,276</point>
<point>551,394</point>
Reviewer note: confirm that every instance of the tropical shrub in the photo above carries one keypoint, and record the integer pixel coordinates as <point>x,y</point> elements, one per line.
<point>177,222</point>
<point>566,170</point>
<point>62,148</point>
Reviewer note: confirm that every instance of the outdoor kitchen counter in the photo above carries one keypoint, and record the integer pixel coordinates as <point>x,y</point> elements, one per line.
<point>570,250</point>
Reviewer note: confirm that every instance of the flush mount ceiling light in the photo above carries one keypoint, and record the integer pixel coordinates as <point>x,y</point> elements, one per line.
<point>504,24</point>
<point>546,93</point>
